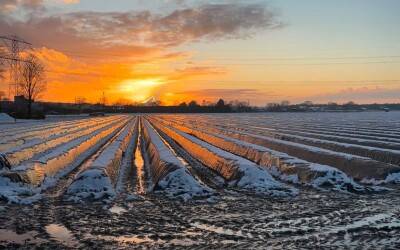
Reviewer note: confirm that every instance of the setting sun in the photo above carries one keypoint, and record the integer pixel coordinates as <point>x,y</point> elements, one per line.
<point>199,124</point>
<point>139,90</point>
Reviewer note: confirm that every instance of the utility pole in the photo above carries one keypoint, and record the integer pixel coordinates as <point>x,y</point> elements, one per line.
<point>15,46</point>
<point>103,99</point>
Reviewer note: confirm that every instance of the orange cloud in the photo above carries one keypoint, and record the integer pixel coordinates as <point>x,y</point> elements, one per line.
<point>213,95</point>
<point>123,53</point>
<point>71,1</point>
<point>128,78</point>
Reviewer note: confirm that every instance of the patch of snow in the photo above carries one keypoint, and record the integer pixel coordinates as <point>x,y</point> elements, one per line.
<point>394,177</point>
<point>4,118</point>
<point>18,193</point>
<point>334,178</point>
<point>99,180</point>
<point>391,178</point>
<point>180,184</point>
<point>93,183</point>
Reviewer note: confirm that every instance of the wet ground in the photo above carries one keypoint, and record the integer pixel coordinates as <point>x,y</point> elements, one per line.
<point>235,220</point>
<point>138,218</point>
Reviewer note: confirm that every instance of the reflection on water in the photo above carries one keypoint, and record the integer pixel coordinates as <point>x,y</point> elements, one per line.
<point>218,230</point>
<point>126,239</point>
<point>129,239</point>
<point>9,236</point>
<point>139,163</point>
<point>61,234</point>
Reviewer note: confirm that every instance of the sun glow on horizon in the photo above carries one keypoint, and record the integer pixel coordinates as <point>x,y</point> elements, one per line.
<point>139,90</point>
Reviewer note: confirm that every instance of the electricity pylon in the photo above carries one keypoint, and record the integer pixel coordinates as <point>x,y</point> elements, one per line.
<point>15,45</point>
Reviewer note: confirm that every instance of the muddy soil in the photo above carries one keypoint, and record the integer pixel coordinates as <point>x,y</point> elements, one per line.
<point>235,220</point>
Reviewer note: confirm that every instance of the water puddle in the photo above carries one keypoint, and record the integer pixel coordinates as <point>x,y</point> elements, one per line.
<point>134,239</point>
<point>226,242</point>
<point>125,239</point>
<point>183,242</point>
<point>218,230</point>
<point>61,234</point>
<point>9,236</point>
<point>128,239</point>
<point>139,163</point>
<point>117,210</point>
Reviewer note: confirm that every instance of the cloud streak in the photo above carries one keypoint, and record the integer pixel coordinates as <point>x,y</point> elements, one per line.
<point>215,94</point>
<point>361,95</point>
<point>118,43</point>
<point>207,22</point>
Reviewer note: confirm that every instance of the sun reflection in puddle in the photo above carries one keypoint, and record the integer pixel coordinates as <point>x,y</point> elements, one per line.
<point>61,234</point>
<point>139,163</point>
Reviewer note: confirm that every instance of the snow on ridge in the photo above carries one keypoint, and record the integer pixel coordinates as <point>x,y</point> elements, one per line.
<point>387,155</point>
<point>18,193</point>
<point>246,174</point>
<point>15,188</point>
<point>280,164</point>
<point>46,150</point>
<point>4,118</point>
<point>334,178</point>
<point>170,176</point>
<point>355,166</point>
<point>181,184</point>
<point>20,141</point>
<point>391,178</point>
<point>91,183</point>
<point>100,178</point>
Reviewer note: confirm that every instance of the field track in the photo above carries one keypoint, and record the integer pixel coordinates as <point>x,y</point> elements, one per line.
<point>337,174</point>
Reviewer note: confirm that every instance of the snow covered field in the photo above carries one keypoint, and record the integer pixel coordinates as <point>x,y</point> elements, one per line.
<point>274,162</point>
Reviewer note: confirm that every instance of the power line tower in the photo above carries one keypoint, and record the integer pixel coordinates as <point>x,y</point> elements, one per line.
<point>15,46</point>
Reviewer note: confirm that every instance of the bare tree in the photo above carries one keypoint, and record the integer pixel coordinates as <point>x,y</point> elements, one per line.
<point>33,80</point>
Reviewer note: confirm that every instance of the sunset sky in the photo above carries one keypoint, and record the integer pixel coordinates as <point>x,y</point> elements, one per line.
<point>179,50</point>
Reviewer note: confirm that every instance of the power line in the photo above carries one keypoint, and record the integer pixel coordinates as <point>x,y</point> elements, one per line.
<point>239,81</point>
<point>13,59</point>
<point>303,81</point>
<point>15,38</point>
<point>309,64</point>
<point>260,64</point>
<point>302,58</point>
<point>95,55</point>
<point>17,59</point>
